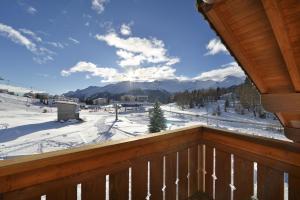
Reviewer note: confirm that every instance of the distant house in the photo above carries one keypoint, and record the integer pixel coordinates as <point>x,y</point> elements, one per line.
<point>142,98</point>
<point>100,101</point>
<point>128,98</point>
<point>4,91</point>
<point>67,110</point>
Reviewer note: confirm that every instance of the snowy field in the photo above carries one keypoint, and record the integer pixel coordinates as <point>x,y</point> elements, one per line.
<point>27,127</point>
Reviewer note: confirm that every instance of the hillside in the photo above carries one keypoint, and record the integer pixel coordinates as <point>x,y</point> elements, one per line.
<point>170,86</point>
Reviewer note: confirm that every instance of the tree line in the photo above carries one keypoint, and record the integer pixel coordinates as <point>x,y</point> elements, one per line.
<point>243,97</point>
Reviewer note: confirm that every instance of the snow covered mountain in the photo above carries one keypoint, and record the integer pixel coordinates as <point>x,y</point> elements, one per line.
<point>171,86</point>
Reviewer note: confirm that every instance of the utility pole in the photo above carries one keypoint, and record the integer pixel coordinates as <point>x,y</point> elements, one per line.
<point>116,110</point>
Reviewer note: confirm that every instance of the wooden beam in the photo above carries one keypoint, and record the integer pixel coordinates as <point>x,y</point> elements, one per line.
<point>281,103</point>
<point>292,133</point>
<point>280,31</point>
<point>232,44</point>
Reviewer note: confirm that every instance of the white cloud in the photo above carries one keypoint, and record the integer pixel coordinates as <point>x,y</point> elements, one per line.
<point>31,10</point>
<point>230,69</point>
<point>125,29</point>
<point>16,37</point>
<point>215,46</point>
<point>74,40</point>
<point>56,44</point>
<point>149,74</point>
<point>31,34</point>
<point>135,51</point>
<point>113,75</point>
<point>98,5</point>
<point>41,54</point>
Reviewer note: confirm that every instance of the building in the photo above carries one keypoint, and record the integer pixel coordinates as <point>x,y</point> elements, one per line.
<point>5,91</point>
<point>142,98</point>
<point>67,110</point>
<point>100,101</point>
<point>128,98</point>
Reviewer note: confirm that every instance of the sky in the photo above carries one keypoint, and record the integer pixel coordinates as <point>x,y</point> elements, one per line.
<point>62,45</point>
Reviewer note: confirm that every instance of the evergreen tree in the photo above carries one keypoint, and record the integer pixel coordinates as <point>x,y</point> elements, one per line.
<point>157,119</point>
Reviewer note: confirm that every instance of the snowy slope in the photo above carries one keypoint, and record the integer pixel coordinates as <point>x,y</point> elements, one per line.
<point>18,90</point>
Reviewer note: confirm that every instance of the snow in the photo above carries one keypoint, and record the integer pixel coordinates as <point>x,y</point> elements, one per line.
<point>18,90</point>
<point>26,129</point>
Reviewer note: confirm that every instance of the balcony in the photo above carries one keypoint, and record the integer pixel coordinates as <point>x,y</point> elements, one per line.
<point>190,163</point>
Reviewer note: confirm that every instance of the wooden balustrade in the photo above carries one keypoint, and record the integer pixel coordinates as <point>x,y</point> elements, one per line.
<point>172,165</point>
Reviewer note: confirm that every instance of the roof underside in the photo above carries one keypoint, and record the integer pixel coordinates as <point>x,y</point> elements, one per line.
<point>264,37</point>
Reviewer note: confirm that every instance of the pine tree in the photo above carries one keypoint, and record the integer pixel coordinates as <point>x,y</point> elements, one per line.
<point>157,119</point>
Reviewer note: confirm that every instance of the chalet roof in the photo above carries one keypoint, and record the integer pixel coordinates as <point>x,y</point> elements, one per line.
<point>264,38</point>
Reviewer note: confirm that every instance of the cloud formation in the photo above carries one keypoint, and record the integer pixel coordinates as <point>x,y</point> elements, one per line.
<point>31,34</point>
<point>73,40</point>
<point>215,46</point>
<point>230,69</point>
<point>125,29</point>
<point>41,54</point>
<point>108,74</point>
<point>98,5</point>
<point>31,10</point>
<point>143,59</point>
<point>136,51</point>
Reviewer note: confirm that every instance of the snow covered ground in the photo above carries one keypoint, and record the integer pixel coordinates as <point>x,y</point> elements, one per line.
<point>27,127</point>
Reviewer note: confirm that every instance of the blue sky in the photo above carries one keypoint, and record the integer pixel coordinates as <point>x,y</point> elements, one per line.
<point>63,45</point>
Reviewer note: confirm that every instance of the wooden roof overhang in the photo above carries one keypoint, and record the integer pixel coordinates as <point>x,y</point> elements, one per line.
<point>264,38</point>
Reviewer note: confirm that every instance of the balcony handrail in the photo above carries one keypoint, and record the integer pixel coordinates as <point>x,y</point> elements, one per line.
<point>17,173</point>
<point>38,174</point>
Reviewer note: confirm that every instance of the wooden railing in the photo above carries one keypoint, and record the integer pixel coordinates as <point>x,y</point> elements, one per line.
<point>171,165</point>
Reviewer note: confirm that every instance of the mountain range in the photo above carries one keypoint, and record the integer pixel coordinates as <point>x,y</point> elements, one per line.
<point>171,86</point>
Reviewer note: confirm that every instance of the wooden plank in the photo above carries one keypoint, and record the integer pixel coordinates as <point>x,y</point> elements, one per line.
<point>156,178</point>
<point>140,179</point>
<point>69,193</point>
<point>119,185</point>
<point>94,189</point>
<point>201,169</point>
<point>209,157</point>
<point>243,178</point>
<point>269,183</point>
<point>171,176</point>
<point>292,133</point>
<point>193,170</point>
<point>282,102</point>
<point>21,173</point>
<point>4,197</point>
<point>277,154</point>
<point>223,170</point>
<point>294,188</point>
<point>183,174</point>
<point>280,31</point>
<point>223,29</point>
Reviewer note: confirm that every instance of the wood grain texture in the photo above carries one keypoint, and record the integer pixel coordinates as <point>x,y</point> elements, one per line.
<point>156,178</point>
<point>171,176</point>
<point>294,188</point>
<point>269,183</point>
<point>139,179</point>
<point>281,102</point>
<point>68,193</point>
<point>243,178</point>
<point>209,157</point>
<point>223,170</point>
<point>119,185</point>
<point>183,174</point>
<point>200,169</point>
<point>94,189</point>
<point>264,38</point>
<point>275,17</point>
<point>193,170</point>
